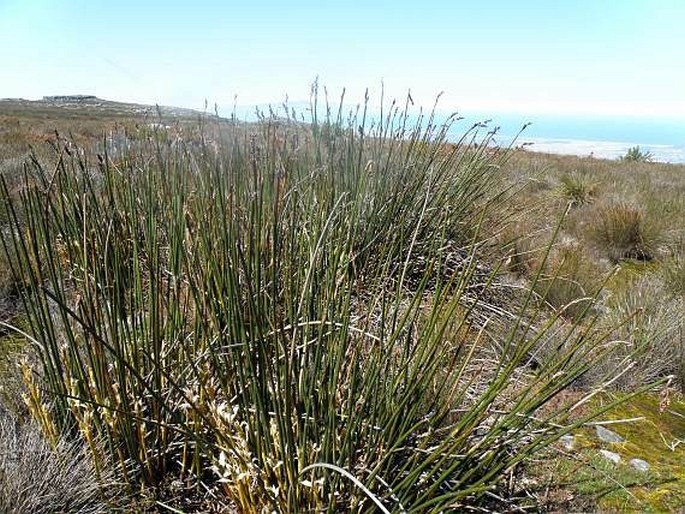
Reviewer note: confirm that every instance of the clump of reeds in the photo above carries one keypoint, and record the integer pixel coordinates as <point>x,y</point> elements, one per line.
<point>269,315</point>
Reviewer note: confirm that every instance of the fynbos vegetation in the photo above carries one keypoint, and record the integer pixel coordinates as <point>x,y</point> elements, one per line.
<point>299,317</point>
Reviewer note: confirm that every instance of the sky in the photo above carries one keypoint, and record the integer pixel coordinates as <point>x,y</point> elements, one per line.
<point>567,57</point>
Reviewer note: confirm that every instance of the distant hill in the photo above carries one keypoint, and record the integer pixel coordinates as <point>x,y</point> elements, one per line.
<point>88,106</point>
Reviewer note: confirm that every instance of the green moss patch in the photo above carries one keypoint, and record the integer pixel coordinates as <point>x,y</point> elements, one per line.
<point>582,479</point>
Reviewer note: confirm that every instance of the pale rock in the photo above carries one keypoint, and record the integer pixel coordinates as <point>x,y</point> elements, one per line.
<point>613,457</point>
<point>608,436</point>
<point>640,465</point>
<point>567,440</point>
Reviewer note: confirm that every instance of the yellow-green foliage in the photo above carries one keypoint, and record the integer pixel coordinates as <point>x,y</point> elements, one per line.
<point>658,437</point>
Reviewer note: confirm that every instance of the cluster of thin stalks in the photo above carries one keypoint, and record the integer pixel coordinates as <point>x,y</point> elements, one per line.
<point>268,314</point>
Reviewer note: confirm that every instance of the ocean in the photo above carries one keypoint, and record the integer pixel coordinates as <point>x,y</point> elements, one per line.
<point>601,137</point>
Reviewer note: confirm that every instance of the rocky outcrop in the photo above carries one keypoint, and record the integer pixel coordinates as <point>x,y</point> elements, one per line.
<point>71,98</point>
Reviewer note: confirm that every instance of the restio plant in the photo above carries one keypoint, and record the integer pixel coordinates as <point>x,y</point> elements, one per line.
<point>293,316</point>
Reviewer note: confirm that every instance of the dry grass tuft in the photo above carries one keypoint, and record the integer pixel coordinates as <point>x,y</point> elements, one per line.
<point>622,231</point>
<point>37,478</point>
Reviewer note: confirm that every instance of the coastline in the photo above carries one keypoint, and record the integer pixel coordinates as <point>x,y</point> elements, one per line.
<point>613,150</point>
